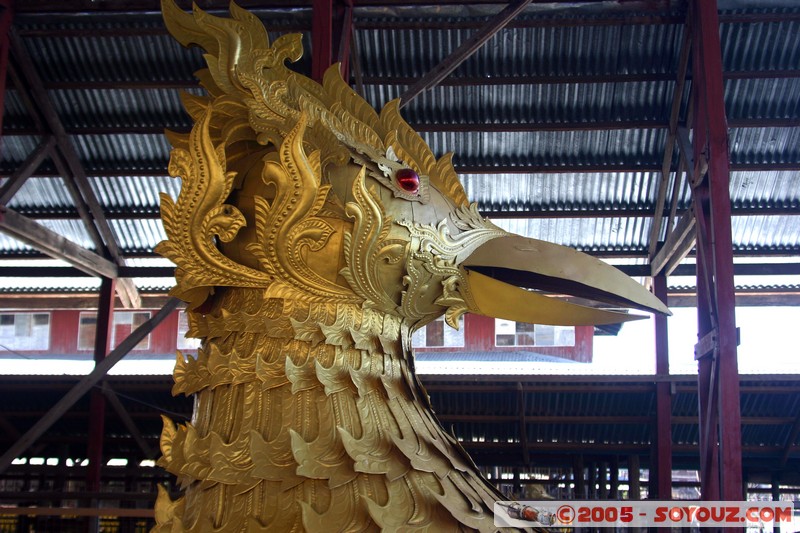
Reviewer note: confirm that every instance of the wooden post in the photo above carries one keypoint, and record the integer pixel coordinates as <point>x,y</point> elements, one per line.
<point>663,434</point>
<point>6,16</point>
<point>776,497</point>
<point>331,36</point>
<point>613,492</point>
<point>465,50</point>
<point>634,477</point>
<point>321,37</point>
<point>718,377</point>
<point>84,385</point>
<point>602,480</point>
<point>97,401</point>
<point>579,478</point>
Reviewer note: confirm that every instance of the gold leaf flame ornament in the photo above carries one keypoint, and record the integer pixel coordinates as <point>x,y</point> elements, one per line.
<point>199,217</point>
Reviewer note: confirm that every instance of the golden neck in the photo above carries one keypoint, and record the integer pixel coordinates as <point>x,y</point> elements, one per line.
<point>251,338</point>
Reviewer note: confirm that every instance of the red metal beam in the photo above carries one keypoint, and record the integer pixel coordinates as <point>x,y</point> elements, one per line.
<point>663,440</point>
<point>625,13</point>
<point>344,37</point>
<point>455,127</point>
<point>127,420</point>
<point>706,321</point>
<point>523,423</point>
<point>321,37</point>
<point>718,378</point>
<point>790,440</point>
<point>84,385</point>
<point>449,81</point>
<point>634,478</point>
<point>67,161</point>
<point>44,109</point>
<point>331,35</point>
<point>488,211</point>
<point>97,402</point>
<point>6,16</point>
<point>464,51</point>
<point>27,168</point>
<point>121,170</point>
<point>666,165</point>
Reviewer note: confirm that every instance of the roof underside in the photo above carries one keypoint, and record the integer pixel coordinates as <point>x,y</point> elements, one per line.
<point>561,416</point>
<point>559,123</point>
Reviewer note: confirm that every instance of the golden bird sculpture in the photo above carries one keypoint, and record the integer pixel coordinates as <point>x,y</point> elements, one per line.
<point>312,236</point>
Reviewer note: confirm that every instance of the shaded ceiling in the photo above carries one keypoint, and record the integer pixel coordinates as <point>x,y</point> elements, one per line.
<point>499,420</point>
<point>560,123</point>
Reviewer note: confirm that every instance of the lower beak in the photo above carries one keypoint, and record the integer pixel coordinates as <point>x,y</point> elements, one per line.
<point>501,272</point>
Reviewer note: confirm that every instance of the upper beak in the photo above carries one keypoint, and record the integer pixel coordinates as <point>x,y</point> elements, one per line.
<point>500,270</point>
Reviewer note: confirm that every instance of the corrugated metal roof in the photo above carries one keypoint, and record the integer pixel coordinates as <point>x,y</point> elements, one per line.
<point>130,195</point>
<point>750,233</point>
<point>552,149</point>
<point>760,98</point>
<point>103,153</point>
<point>72,230</point>
<point>587,234</point>
<point>776,233</point>
<point>14,149</point>
<point>45,195</point>
<point>764,145</point>
<point>768,188</point>
<point>533,51</point>
<point>89,50</point>
<point>14,113</point>
<point>568,191</point>
<point>739,287</point>
<point>761,45</point>
<point>121,107</point>
<point>533,103</point>
<point>86,285</point>
<point>103,72</point>
<point>754,189</point>
<point>113,58</point>
<point>137,236</point>
<point>134,195</point>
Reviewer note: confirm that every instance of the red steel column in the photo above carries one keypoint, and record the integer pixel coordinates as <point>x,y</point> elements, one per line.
<point>718,368</point>
<point>344,36</point>
<point>663,444</point>
<point>321,37</point>
<point>97,403</point>
<point>331,29</point>
<point>707,362</point>
<point>6,16</point>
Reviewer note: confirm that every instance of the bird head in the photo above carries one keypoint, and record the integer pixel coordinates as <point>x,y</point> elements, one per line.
<point>303,191</point>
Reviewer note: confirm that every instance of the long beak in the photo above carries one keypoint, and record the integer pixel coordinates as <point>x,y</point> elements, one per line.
<point>500,271</point>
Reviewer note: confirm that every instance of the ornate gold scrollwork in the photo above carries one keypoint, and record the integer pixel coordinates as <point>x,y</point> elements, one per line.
<point>307,266</point>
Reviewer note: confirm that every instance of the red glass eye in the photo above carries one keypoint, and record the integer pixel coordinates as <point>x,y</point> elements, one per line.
<point>408,180</point>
